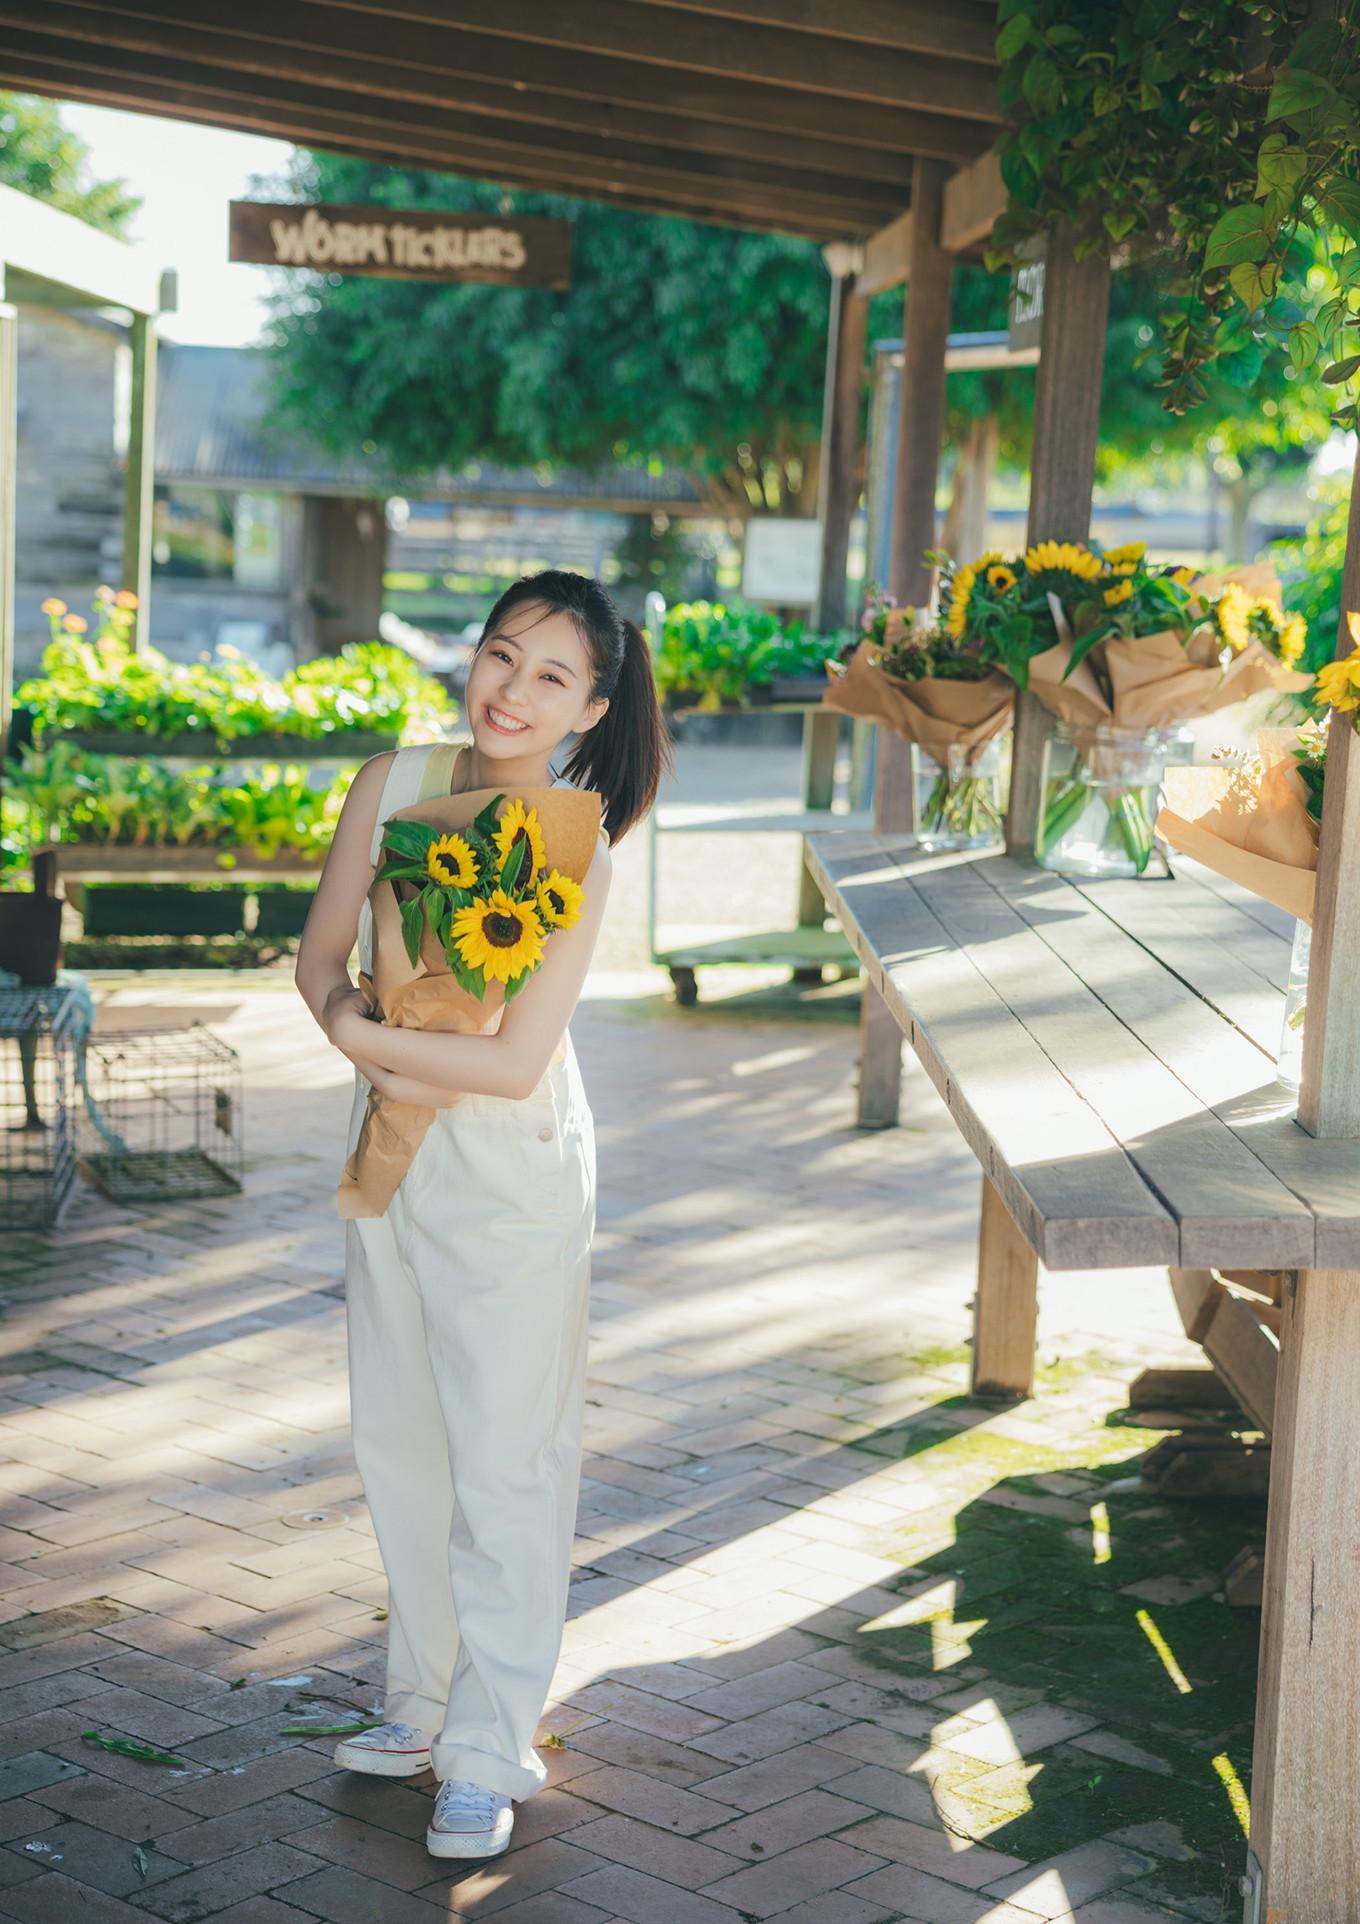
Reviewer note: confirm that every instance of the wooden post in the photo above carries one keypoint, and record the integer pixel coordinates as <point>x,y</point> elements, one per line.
<point>140,479</point>
<point>9,435</point>
<point>1062,466</point>
<point>1329,1089</point>
<point>837,494</point>
<point>1005,1308</point>
<point>920,431</point>
<point>1304,1866</point>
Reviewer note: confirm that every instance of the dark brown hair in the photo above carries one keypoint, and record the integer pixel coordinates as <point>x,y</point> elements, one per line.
<point>627,751</point>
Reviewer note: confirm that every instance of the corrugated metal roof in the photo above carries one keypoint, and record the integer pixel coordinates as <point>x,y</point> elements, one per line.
<point>214,427</point>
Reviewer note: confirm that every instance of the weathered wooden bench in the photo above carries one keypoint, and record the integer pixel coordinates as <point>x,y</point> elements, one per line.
<point>1107,1050</point>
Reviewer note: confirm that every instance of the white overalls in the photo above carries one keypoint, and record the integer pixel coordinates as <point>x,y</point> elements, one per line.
<point>468,1304</point>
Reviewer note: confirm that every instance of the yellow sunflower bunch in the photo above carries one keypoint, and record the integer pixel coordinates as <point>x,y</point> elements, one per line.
<point>1239,618</point>
<point>991,568</point>
<point>1337,685</point>
<point>1063,557</point>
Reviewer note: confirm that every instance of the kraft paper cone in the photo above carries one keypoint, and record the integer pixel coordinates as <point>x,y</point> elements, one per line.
<point>1250,825</point>
<point>933,712</point>
<point>1156,682</point>
<point>428,996</point>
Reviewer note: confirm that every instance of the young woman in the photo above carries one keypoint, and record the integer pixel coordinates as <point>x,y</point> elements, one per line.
<point>468,1298</point>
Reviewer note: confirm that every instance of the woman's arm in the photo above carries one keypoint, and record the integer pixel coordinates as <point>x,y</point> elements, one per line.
<point>322,968</point>
<point>511,1061</point>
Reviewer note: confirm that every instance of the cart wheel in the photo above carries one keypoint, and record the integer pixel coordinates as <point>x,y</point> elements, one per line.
<point>686,987</point>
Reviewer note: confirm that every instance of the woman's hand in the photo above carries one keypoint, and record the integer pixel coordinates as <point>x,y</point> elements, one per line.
<point>343,1000</point>
<point>348,1028</point>
<point>422,1095</point>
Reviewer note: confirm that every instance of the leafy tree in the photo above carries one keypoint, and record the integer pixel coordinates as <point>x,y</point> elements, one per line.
<point>677,342</point>
<point>41,157</point>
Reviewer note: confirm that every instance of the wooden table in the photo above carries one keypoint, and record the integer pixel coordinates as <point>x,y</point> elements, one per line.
<point>1107,1050</point>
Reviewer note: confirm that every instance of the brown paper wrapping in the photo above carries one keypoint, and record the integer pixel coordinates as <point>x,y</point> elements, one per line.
<point>427,996</point>
<point>1250,825</point>
<point>933,712</point>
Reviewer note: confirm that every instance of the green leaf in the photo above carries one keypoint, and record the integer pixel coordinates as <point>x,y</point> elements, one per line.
<point>144,1753</point>
<point>1304,344</point>
<point>400,871</point>
<point>485,824</point>
<point>412,920</point>
<point>408,839</point>
<point>1042,84</point>
<point>1279,165</point>
<point>141,1862</point>
<point>1297,93</point>
<point>1340,202</point>
<point>1104,98</point>
<point>512,989</point>
<point>1013,36</point>
<point>1118,224</point>
<point>514,862</point>
<point>1238,235</point>
<point>1254,285</point>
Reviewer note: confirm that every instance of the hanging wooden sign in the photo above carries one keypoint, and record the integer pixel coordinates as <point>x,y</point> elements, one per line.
<point>1025,317</point>
<point>418,244</point>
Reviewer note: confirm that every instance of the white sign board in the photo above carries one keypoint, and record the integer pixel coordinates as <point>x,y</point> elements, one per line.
<point>783,561</point>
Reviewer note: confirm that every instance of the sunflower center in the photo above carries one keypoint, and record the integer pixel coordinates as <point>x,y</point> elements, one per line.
<point>502,931</point>
<point>558,904</point>
<point>449,866</point>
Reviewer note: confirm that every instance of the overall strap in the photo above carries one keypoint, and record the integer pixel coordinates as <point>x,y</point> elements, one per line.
<point>417,772</point>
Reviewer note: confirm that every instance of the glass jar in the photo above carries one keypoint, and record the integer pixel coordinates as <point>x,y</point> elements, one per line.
<point>959,804</point>
<point>1290,1067</point>
<point>1100,787</point>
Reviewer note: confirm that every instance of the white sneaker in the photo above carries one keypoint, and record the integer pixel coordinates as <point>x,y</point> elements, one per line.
<point>389,1750</point>
<point>469,1821</point>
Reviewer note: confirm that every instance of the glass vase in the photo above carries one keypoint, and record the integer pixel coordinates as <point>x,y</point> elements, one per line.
<point>1100,788</point>
<point>1290,1067</point>
<point>959,803</point>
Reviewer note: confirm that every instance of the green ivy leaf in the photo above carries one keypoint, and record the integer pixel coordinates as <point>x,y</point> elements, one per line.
<point>1042,84</point>
<point>1341,371</point>
<point>1238,235</point>
<point>1340,202</point>
<point>1254,285</point>
<point>1304,343</point>
<point>1297,93</point>
<point>1118,224</point>
<point>1013,36</point>
<point>1280,166</point>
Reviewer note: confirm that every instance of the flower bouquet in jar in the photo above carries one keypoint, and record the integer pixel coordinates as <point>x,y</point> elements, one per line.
<point>932,687</point>
<point>470,890</point>
<point>1122,654</point>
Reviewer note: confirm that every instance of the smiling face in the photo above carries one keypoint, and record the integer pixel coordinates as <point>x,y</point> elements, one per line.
<point>529,686</point>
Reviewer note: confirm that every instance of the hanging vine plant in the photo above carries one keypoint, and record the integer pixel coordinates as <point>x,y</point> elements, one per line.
<point>1221,141</point>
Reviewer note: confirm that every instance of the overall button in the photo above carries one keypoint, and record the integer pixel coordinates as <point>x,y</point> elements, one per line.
<point>545,1135</point>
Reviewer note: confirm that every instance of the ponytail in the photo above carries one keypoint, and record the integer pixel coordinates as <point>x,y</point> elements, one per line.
<point>628,750</point>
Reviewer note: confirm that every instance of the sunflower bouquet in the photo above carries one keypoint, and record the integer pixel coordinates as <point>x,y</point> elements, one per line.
<point>470,889</point>
<point>487,894</point>
<point>935,689</point>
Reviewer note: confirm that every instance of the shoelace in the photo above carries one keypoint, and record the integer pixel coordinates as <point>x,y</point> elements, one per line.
<point>403,1735</point>
<point>459,1797</point>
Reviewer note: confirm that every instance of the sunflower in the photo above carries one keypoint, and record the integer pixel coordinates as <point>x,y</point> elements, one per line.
<point>1338,684</point>
<point>559,900</point>
<point>1183,577</point>
<point>453,862</point>
<point>1062,557</point>
<point>502,937</point>
<point>1000,577</point>
<point>1121,591</point>
<point>1293,639</point>
<point>1232,617</point>
<point>1128,556</point>
<point>960,592</point>
<point>518,821</point>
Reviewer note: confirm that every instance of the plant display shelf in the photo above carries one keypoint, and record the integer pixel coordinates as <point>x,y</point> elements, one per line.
<point>808,947</point>
<point>348,745</point>
<point>123,862</point>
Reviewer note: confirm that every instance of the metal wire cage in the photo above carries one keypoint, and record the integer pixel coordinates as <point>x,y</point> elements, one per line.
<point>40,1036</point>
<point>162,1116</point>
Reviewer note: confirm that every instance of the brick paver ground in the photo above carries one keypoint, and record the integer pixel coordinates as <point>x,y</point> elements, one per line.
<point>844,1647</point>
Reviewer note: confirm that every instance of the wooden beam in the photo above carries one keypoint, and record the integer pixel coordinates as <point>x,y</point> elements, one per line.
<point>313,71</point>
<point>140,476</point>
<point>57,247</point>
<point>887,257</point>
<point>1062,468</point>
<point>607,29</point>
<point>482,141</point>
<point>1329,1089</point>
<point>404,59</point>
<point>1305,1820</point>
<point>974,198</point>
<point>967,31</point>
<point>767,213</point>
<point>1006,1306</point>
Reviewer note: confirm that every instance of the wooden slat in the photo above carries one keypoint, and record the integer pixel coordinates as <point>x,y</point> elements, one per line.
<point>966,31</point>
<point>974,198</point>
<point>1073,1192</point>
<point>1089,996</point>
<point>608,29</point>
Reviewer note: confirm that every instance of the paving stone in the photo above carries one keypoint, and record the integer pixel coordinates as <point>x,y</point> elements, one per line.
<point>763,1889</point>
<point>484,1890</point>
<point>621,1892</point>
<point>1063,1883</point>
<point>344,1897</point>
<point>677,1860</point>
<point>54,1898</point>
<point>195,1894</point>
